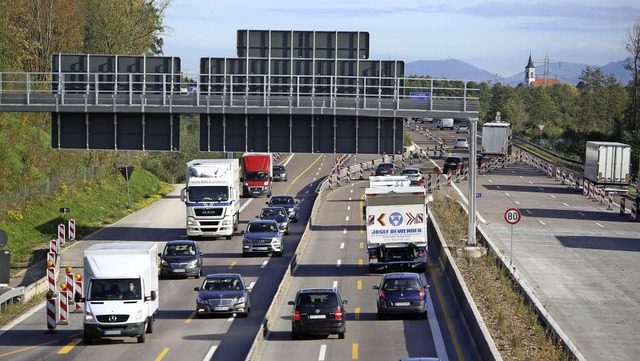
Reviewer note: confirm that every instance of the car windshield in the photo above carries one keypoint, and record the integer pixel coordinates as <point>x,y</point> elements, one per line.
<point>221,284</point>
<point>282,200</point>
<point>209,194</point>
<point>114,289</point>
<point>179,250</point>
<point>410,171</point>
<point>257,176</point>
<point>385,166</point>
<point>261,227</point>
<point>278,167</point>
<point>318,300</point>
<point>271,212</point>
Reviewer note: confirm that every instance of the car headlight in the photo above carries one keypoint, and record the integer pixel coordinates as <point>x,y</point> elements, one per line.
<point>266,183</point>
<point>277,239</point>
<point>190,222</point>
<point>200,300</point>
<point>88,316</point>
<point>164,263</point>
<point>246,241</point>
<point>241,299</point>
<point>192,263</point>
<point>226,222</point>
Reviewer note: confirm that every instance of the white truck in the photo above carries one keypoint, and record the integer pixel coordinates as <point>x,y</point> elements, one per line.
<point>446,123</point>
<point>212,197</point>
<point>608,165</point>
<point>396,222</point>
<point>121,290</point>
<point>496,139</point>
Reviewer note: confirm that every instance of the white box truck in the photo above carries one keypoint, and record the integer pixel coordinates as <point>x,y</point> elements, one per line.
<point>496,139</point>
<point>396,222</point>
<point>121,290</point>
<point>608,164</point>
<point>212,197</point>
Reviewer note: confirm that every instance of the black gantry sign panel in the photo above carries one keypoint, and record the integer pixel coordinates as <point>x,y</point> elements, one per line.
<point>123,131</point>
<point>300,134</point>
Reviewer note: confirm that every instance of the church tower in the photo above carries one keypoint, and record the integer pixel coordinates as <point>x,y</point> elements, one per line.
<point>529,72</point>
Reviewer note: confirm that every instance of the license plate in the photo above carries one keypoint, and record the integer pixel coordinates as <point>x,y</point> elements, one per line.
<point>179,270</point>
<point>112,332</point>
<point>262,248</point>
<point>221,308</point>
<point>403,303</point>
<point>316,317</point>
<point>373,260</point>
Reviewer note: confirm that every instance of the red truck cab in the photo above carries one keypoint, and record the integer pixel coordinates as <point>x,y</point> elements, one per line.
<point>257,174</point>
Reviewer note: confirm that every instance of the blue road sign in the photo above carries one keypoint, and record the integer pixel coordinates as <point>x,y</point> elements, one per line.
<point>478,195</point>
<point>420,95</point>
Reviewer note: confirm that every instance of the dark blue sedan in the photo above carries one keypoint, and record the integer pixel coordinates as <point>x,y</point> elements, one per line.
<point>402,293</point>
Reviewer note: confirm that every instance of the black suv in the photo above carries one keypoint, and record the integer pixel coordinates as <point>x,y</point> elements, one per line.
<point>181,258</point>
<point>386,169</point>
<point>318,311</point>
<point>452,163</point>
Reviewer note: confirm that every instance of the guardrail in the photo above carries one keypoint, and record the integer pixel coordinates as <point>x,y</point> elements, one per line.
<point>66,91</point>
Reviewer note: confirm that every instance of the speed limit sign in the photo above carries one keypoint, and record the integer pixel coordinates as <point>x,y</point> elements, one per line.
<point>512,216</point>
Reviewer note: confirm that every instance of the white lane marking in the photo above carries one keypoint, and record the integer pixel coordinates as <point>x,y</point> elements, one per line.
<point>601,226</point>
<point>552,196</point>
<point>541,190</point>
<point>497,187</point>
<point>582,214</point>
<point>19,320</point>
<point>351,191</point>
<point>441,350</point>
<point>490,181</point>
<point>566,204</point>
<point>335,284</point>
<point>344,231</point>
<point>246,204</point>
<point>349,198</point>
<point>528,211</point>
<point>348,208</point>
<point>507,194</point>
<point>264,264</point>
<point>289,159</point>
<point>516,202</point>
<point>523,178</point>
<point>339,263</point>
<point>323,351</point>
<point>230,319</point>
<point>209,354</point>
<point>544,224</point>
<point>530,182</point>
<point>252,284</point>
<point>347,219</point>
<point>342,245</point>
<point>513,172</point>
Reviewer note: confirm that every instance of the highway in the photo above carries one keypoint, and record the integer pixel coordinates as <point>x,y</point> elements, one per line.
<point>331,257</point>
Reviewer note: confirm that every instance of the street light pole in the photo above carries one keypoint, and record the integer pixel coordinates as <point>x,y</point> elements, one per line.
<point>471,230</point>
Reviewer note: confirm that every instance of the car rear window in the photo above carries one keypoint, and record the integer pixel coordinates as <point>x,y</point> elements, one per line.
<point>410,171</point>
<point>318,300</point>
<point>453,160</point>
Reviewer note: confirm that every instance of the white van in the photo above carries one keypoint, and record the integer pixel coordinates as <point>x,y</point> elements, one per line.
<point>446,123</point>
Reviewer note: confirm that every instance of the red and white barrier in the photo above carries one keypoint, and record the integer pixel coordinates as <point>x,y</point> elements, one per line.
<point>633,211</point>
<point>610,201</point>
<point>52,317</point>
<point>51,277</point>
<point>61,234</point>
<point>79,290</point>
<point>585,188</point>
<point>622,206</point>
<point>429,184</point>
<point>72,229</point>
<point>64,305</point>
<point>69,282</point>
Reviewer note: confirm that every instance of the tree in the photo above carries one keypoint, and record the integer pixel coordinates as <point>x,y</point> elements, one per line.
<point>632,134</point>
<point>129,27</point>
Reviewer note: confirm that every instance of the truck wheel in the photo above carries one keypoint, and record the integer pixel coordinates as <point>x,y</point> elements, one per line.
<point>141,338</point>
<point>372,269</point>
<point>150,322</point>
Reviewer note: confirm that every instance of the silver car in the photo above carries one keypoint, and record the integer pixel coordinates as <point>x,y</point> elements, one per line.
<point>414,175</point>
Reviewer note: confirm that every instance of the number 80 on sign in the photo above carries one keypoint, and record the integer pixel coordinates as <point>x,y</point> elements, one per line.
<point>512,216</point>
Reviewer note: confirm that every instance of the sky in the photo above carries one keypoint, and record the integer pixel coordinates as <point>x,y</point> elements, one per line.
<point>496,36</point>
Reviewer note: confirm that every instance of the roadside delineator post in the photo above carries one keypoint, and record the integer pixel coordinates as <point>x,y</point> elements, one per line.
<point>79,290</point>
<point>61,234</point>
<point>70,283</point>
<point>610,202</point>
<point>64,304</point>
<point>72,229</point>
<point>622,206</point>
<point>51,276</point>
<point>51,312</point>
<point>633,211</point>
<point>429,183</point>
<point>585,188</point>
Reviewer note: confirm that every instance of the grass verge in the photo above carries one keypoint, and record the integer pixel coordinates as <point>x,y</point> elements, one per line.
<point>513,323</point>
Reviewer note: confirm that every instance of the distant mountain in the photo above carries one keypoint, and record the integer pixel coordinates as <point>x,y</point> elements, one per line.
<point>457,69</point>
<point>449,69</point>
